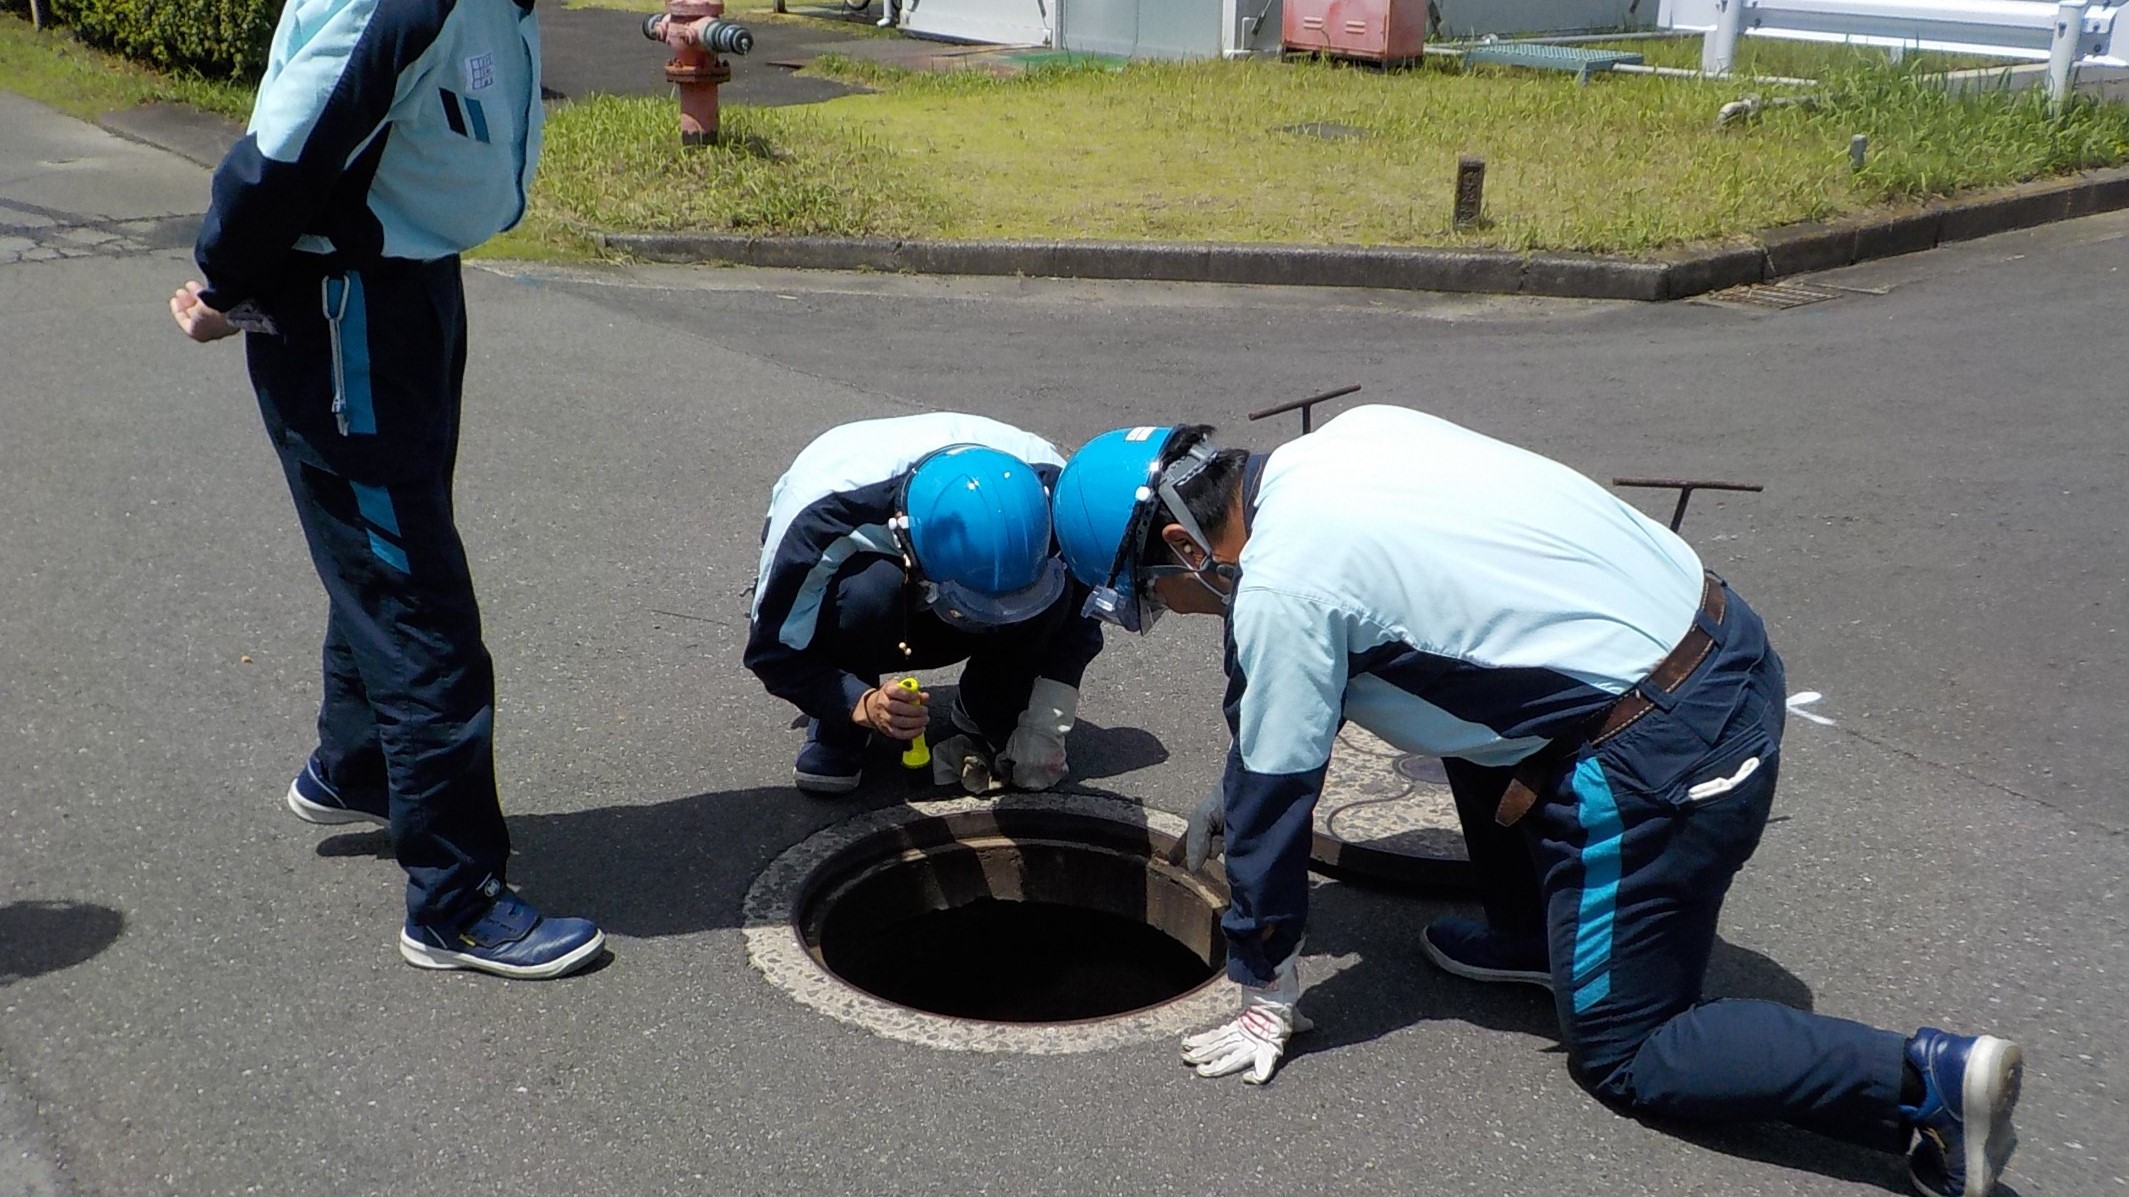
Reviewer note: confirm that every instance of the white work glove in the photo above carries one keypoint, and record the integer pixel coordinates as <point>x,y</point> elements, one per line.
<point>1257,1038</point>
<point>1207,821</point>
<point>1035,751</point>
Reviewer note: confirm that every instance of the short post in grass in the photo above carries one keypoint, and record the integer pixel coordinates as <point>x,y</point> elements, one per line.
<point>2063,50</point>
<point>1470,192</point>
<point>1858,149</point>
<point>1718,47</point>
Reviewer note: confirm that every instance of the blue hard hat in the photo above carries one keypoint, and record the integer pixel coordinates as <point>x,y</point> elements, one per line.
<point>1103,507</point>
<point>978,525</point>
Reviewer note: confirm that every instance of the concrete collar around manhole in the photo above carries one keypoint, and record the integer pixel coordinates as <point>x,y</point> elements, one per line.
<point>1037,923</point>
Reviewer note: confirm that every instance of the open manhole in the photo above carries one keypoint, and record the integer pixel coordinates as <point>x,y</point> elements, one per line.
<point>1038,922</point>
<point>1386,817</point>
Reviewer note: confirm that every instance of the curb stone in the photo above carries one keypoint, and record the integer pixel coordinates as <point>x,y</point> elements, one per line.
<point>1673,274</point>
<point>1676,274</point>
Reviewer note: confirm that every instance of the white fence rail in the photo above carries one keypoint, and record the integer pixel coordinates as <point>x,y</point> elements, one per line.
<point>2064,35</point>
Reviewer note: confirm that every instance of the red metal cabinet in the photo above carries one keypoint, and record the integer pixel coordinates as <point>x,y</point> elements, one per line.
<point>1376,30</point>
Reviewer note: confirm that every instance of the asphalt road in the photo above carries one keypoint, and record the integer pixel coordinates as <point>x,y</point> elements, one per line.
<point>199,995</point>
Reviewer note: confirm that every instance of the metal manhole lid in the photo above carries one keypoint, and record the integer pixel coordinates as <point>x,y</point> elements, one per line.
<point>1387,816</point>
<point>1328,130</point>
<point>1777,296</point>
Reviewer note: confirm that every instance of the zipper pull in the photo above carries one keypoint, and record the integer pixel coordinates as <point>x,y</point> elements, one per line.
<point>335,302</point>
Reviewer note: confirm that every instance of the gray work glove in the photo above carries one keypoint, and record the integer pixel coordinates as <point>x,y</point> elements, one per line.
<point>1256,1039</point>
<point>1207,821</point>
<point>961,761</point>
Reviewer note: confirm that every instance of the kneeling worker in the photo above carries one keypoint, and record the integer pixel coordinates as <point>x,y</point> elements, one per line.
<point>1611,718</point>
<point>914,543</point>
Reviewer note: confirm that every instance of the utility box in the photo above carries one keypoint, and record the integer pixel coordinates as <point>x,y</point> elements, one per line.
<point>1373,30</point>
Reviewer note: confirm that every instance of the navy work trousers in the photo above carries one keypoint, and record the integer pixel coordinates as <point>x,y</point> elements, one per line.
<point>406,724</point>
<point>1624,872</point>
<point>868,613</point>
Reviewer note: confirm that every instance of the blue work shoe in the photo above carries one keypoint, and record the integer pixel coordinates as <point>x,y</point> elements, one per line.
<point>313,801</point>
<point>830,762</point>
<point>1469,948</point>
<point>513,939</point>
<point>1969,1085</point>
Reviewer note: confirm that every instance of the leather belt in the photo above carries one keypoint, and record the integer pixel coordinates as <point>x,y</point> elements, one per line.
<point>1536,771</point>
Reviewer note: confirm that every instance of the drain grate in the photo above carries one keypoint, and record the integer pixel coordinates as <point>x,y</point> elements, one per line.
<point>1775,296</point>
<point>1328,130</point>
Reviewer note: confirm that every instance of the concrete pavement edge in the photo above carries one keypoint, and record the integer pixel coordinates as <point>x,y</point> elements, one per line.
<point>201,137</point>
<point>1675,274</point>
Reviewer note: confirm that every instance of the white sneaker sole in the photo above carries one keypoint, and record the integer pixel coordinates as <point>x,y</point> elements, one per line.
<point>1995,1070</point>
<point>420,955</point>
<point>1471,972</point>
<point>822,783</point>
<point>329,816</point>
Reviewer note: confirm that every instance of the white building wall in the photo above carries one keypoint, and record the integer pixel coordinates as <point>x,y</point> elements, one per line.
<point>1005,22</point>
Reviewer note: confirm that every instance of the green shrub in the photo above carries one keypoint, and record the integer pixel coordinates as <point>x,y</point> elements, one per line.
<point>219,39</point>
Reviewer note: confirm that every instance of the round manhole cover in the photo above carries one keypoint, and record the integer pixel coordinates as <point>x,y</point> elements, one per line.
<point>1034,923</point>
<point>1387,816</point>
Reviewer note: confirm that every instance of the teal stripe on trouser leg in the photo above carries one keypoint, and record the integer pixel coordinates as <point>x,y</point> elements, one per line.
<point>375,503</point>
<point>1599,815</point>
<point>354,318</point>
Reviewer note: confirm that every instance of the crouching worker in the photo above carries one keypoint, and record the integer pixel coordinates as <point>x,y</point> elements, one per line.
<point>1611,718</point>
<point>919,542</point>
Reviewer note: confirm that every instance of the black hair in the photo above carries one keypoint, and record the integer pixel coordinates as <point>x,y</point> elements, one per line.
<point>1209,495</point>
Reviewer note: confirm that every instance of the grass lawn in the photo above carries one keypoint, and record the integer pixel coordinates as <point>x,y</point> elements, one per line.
<point>1219,151</point>
<point>1203,152</point>
<point>54,69</point>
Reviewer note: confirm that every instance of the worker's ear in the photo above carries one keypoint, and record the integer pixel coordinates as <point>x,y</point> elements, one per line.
<point>1189,551</point>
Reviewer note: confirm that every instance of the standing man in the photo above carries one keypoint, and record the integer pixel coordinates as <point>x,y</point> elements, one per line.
<point>917,542</point>
<point>388,136</point>
<point>1611,718</point>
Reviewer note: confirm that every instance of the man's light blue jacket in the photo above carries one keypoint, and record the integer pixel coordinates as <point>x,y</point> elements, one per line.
<point>383,128</point>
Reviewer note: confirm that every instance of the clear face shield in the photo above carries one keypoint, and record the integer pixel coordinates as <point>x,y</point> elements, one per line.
<point>972,610</point>
<point>1133,606</point>
<point>1135,612</point>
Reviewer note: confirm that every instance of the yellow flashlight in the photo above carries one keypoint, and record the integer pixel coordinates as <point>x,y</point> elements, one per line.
<point>918,754</point>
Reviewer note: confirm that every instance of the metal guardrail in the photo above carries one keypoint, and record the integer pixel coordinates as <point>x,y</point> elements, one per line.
<point>2063,34</point>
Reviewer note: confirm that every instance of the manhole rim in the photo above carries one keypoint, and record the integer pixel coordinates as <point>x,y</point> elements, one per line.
<point>777,949</point>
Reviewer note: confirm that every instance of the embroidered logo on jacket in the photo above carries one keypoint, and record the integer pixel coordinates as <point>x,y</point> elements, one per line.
<point>480,72</point>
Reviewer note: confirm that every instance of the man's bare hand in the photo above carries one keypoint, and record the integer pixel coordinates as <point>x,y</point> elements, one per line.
<point>194,318</point>
<point>893,712</point>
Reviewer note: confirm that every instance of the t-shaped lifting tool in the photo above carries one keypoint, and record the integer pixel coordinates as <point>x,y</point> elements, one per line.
<point>1684,487</point>
<point>1685,490</point>
<point>1307,406</point>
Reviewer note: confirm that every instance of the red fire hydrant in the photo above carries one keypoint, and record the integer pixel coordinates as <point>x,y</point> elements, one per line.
<point>698,33</point>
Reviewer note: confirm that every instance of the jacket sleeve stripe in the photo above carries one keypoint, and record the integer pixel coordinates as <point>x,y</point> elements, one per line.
<point>796,630</point>
<point>314,113</point>
<point>452,116</point>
